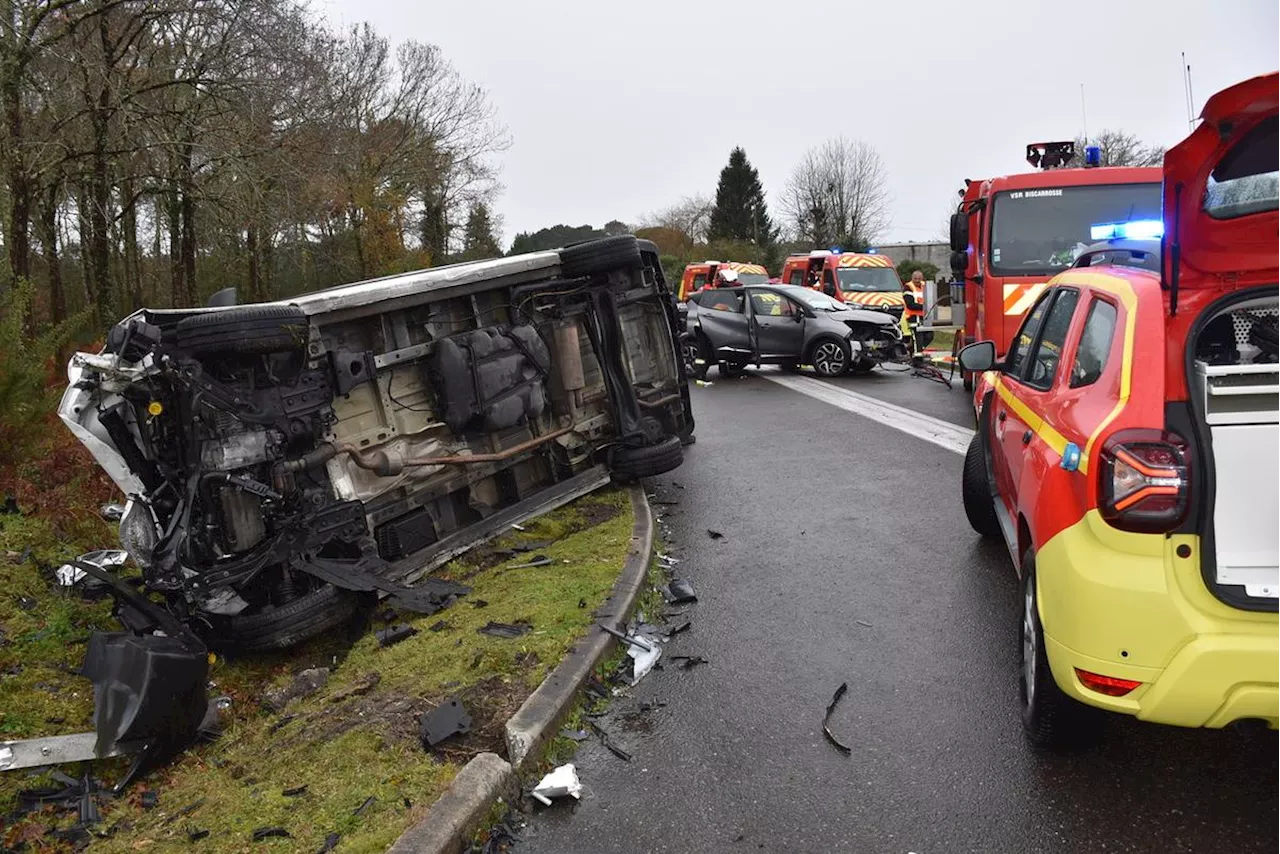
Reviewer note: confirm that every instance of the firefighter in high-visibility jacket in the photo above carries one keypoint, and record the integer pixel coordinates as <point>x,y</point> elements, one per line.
<point>913,307</point>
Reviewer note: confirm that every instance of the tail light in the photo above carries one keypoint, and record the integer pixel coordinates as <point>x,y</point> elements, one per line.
<point>1144,481</point>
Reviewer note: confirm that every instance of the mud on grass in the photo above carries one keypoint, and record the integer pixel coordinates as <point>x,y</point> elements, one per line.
<point>357,738</point>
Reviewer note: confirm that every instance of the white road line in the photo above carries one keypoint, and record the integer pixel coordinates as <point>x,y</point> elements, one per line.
<point>935,430</point>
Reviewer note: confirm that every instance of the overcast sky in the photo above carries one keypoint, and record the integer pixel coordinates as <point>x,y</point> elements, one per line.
<point>619,109</point>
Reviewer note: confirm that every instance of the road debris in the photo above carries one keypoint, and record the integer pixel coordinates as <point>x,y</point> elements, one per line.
<point>149,800</point>
<point>295,792</point>
<point>304,684</point>
<point>186,811</point>
<point>366,684</point>
<point>826,720</point>
<point>863,623</point>
<point>70,575</point>
<point>283,722</point>
<point>195,835</point>
<point>479,603</point>
<point>330,843</point>
<point>448,719</point>
<point>608,743</point>
<point>368,802</point>
<point>505,630</point>
<point>392,635</point>
<point>438,626</point>
<point>270,832</point>
<point>715,535</point>
<point>675,630</point>
<point>111,512</point>
<point>679,592</point>
<point>538,560</point>
<point>560,782</point>
<point>575,734</point>
<point>688,662</point>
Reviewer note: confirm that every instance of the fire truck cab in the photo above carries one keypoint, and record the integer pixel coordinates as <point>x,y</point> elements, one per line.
<point>1012,233</point>
<point>864,280</point>
<point>698,276</point>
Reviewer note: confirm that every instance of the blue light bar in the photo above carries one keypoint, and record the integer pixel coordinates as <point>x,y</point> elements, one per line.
<point>871,250</point>
<point>1138,229</point>
<point>1092,155</point>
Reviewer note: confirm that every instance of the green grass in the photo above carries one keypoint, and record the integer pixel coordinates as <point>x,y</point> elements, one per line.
<point>345,747</point>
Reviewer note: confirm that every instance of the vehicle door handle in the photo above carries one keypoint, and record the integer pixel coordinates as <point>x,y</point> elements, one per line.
<point>1002,415</point>
<point>1026,438</point>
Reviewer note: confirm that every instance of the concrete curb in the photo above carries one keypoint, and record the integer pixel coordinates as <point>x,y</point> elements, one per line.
<point>529,728</point>
<point>452,819</point>
<point>449,824</point>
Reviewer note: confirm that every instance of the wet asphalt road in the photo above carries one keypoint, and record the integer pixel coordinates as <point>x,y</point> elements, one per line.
<point>846,558</point>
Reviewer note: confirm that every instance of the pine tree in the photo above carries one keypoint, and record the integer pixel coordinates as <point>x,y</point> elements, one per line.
<point>740,212</point>
<point>478,239</point>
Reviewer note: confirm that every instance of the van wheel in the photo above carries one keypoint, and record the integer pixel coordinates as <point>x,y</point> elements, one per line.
<point>306,617</point>
<point>979,504</point>
<point>248,330</point>
<point>627,465</point>
<point>830,357</point>
<point>1050,719</point>
<point>600,256</point>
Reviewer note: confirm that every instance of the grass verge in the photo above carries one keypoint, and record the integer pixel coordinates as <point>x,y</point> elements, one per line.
<point>355,739</point>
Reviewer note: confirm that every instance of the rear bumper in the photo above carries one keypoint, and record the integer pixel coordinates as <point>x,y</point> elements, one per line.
<point>1124,605</point>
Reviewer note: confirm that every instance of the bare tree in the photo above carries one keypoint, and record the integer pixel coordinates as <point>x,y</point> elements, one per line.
<point>838,192</point>
<point>1120,149</point>
<point>691,216</point>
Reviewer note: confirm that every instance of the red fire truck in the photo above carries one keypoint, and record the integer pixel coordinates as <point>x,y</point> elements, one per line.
<point>1011,234</point>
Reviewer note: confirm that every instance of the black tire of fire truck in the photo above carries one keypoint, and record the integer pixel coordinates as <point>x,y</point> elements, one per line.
<point>730,370</point>
<point>600,256</point>
<point>979,504</point>
<point>628,464</point>
<point>1050,718</point>
<point>306,617</point>
<point>250,330</point>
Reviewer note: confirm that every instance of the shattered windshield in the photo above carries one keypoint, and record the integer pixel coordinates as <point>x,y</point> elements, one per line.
<point>1042,231</point>
<point>868,279</point>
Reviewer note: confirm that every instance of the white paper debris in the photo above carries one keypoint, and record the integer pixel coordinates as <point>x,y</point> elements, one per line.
<point>560,782</point>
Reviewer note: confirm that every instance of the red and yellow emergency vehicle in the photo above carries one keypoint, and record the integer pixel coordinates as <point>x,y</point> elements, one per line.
<point>863,279</point>
<point>1128,443</point>
<point>698,276</point>
<point>1012,233</point>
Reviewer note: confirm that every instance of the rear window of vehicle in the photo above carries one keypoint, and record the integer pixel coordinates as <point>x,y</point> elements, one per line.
<point>1048,352</point>
<point>1095,344</point>
<point>1247,178</point>
<point>722,299</point>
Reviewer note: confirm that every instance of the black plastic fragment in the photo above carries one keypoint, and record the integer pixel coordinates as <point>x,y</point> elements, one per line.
<point>448,719</point>
<point>582,603</point>
<point>197,834</point>
<point>330,843</point>
<point>295,792</point>
<point>269,832</point>
<point>185,811</point>
<point>438,626</point>
<point>479,603</point>
<point>826,730</point>
<point>678,592</point>
<point>504,630</point>
<point>715,535</point>
<point>688,662</point>
<point>150,800</point>
<point>608,743</point>
<point>368,802</point>
<point>392,635</point>
<point>675,630</point>
<point>27,603</point>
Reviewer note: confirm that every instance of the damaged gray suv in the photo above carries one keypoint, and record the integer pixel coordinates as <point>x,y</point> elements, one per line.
<point>286,462</point>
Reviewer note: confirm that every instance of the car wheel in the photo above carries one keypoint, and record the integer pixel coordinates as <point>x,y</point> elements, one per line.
<point>250,330</point>
<point>306,617</point>
<point>729,370</point>
<point>600,256</point>
<point>979,503</point>
<point>628,464</point>
<point>830,357</point>
<point>1050,719</point>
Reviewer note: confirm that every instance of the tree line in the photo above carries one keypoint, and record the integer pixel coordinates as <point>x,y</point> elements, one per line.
<point>156,151</point>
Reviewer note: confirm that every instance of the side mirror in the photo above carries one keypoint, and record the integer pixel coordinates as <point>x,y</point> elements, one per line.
<point>979,357</point>
<point>959,232</point>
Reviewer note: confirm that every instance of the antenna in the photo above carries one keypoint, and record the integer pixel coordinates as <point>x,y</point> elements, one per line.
<point>1084,117</point>
<point>1191,96</point>
<point>1186,91</point>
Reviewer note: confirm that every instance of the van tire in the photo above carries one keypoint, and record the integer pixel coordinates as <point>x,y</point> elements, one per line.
<point>600,256</point>
<point>1050,718</point>
<point>248,330</point>
<point>975,491</point>
<point>306,617</point>
<point>627,464</point>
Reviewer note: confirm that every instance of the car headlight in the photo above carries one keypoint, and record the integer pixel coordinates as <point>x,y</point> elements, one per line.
<point>139,532</point>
